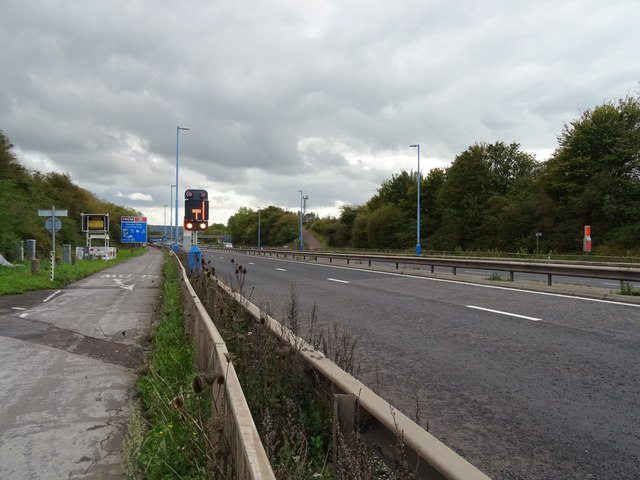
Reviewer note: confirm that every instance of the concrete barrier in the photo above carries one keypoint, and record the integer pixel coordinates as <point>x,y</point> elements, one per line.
<point>238,435</point>
<point>380,422</point>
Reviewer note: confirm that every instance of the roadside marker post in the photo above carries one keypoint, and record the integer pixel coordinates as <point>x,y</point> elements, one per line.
<point>53,225</point>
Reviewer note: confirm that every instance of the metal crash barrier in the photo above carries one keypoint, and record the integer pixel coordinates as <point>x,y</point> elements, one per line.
<point>619,272</point>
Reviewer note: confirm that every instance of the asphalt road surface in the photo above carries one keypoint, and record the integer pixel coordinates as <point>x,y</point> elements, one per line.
<point>523,384</point>
<point>67,371</point>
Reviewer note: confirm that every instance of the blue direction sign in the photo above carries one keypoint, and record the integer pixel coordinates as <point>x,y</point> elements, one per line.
<point>134,229</point>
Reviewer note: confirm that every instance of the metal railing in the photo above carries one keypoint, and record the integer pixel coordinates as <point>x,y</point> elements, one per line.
<point>619,272</point>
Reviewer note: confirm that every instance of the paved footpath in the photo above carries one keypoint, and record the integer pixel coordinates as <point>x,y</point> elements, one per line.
<point>67,371</point>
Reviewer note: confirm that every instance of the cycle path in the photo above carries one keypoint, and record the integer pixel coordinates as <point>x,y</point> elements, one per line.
<point>68,363</point>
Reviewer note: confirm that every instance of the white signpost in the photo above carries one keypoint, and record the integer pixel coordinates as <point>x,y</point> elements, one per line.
<point>53,225</point>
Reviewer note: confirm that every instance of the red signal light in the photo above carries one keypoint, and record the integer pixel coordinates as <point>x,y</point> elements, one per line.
<point>188,225</point>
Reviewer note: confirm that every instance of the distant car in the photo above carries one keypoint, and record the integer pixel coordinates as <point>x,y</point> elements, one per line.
<point>227,245</point>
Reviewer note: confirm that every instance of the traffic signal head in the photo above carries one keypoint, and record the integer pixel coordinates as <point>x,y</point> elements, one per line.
<point>195,224</point>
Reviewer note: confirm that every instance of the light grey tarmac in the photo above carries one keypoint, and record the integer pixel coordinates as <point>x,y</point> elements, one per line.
<point>524,380</point>
<point>68,369</point>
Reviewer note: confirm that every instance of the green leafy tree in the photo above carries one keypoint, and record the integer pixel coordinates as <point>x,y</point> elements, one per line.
<point>348,214</point>
<point>359,230</point>
<point>431,209</point>
<point>217,229</point>
<point>287,229</point>
<point>463,198</point>
<point>386,228</point>
<point>330,229</point>
<point>594,176</point>
<point>10,168</point>
<point>277,226</point>
<point>508,165</point>
<point>242,224</point>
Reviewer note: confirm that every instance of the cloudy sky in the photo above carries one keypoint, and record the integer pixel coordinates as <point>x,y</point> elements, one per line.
<point>289,95</point>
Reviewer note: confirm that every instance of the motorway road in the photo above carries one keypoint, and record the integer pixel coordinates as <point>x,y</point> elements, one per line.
<point>523,384</point>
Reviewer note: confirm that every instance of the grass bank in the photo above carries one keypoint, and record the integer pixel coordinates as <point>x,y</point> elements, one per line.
<point>18,279</point>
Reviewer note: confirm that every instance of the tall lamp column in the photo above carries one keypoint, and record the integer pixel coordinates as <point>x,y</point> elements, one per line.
<point>258,229</point>
<point>171,216</point>
<point>418,248</point>
<point>178,128</point>
<point>300,240</point>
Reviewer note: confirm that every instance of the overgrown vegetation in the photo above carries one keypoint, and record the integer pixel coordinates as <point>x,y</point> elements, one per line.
<point>290,405</point>
<point>627,288</point>
<point>24,192</point>
<point>295,424</point>
<point>168,436</point>
<point>18,279</point>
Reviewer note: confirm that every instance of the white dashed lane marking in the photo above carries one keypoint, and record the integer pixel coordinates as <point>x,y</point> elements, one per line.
<point>534,319</point>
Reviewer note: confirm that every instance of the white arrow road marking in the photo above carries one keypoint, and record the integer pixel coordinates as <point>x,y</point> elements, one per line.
<point>122,285</point>
<point>505,313</point>
<point>336,280</point>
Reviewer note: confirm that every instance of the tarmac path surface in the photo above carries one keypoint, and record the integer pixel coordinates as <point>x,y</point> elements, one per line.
<point>67,371</point>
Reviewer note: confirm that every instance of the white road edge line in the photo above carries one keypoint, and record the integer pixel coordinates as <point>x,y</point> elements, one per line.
<point>51,296</point>
<point>336,280</point>
<point>18,308</point>
<point>534,319</point>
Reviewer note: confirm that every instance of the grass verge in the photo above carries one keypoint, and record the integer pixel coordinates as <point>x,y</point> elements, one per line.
<point>167,431</point>
<point>18,279</point>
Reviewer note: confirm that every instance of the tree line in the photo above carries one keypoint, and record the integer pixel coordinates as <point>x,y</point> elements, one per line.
<point>497,197</point>
<point>24,192</point>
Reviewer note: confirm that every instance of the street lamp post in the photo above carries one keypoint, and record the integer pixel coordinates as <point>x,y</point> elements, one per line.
<point>418,249</point>
<point>178,128</point>
<point>303,204</point>
<point>300,240</point>
<point>171,215</point>
<point>258,229</point>
<point>164,239</point>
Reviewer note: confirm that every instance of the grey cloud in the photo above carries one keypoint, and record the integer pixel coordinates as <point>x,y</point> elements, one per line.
<point>99,87</point>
